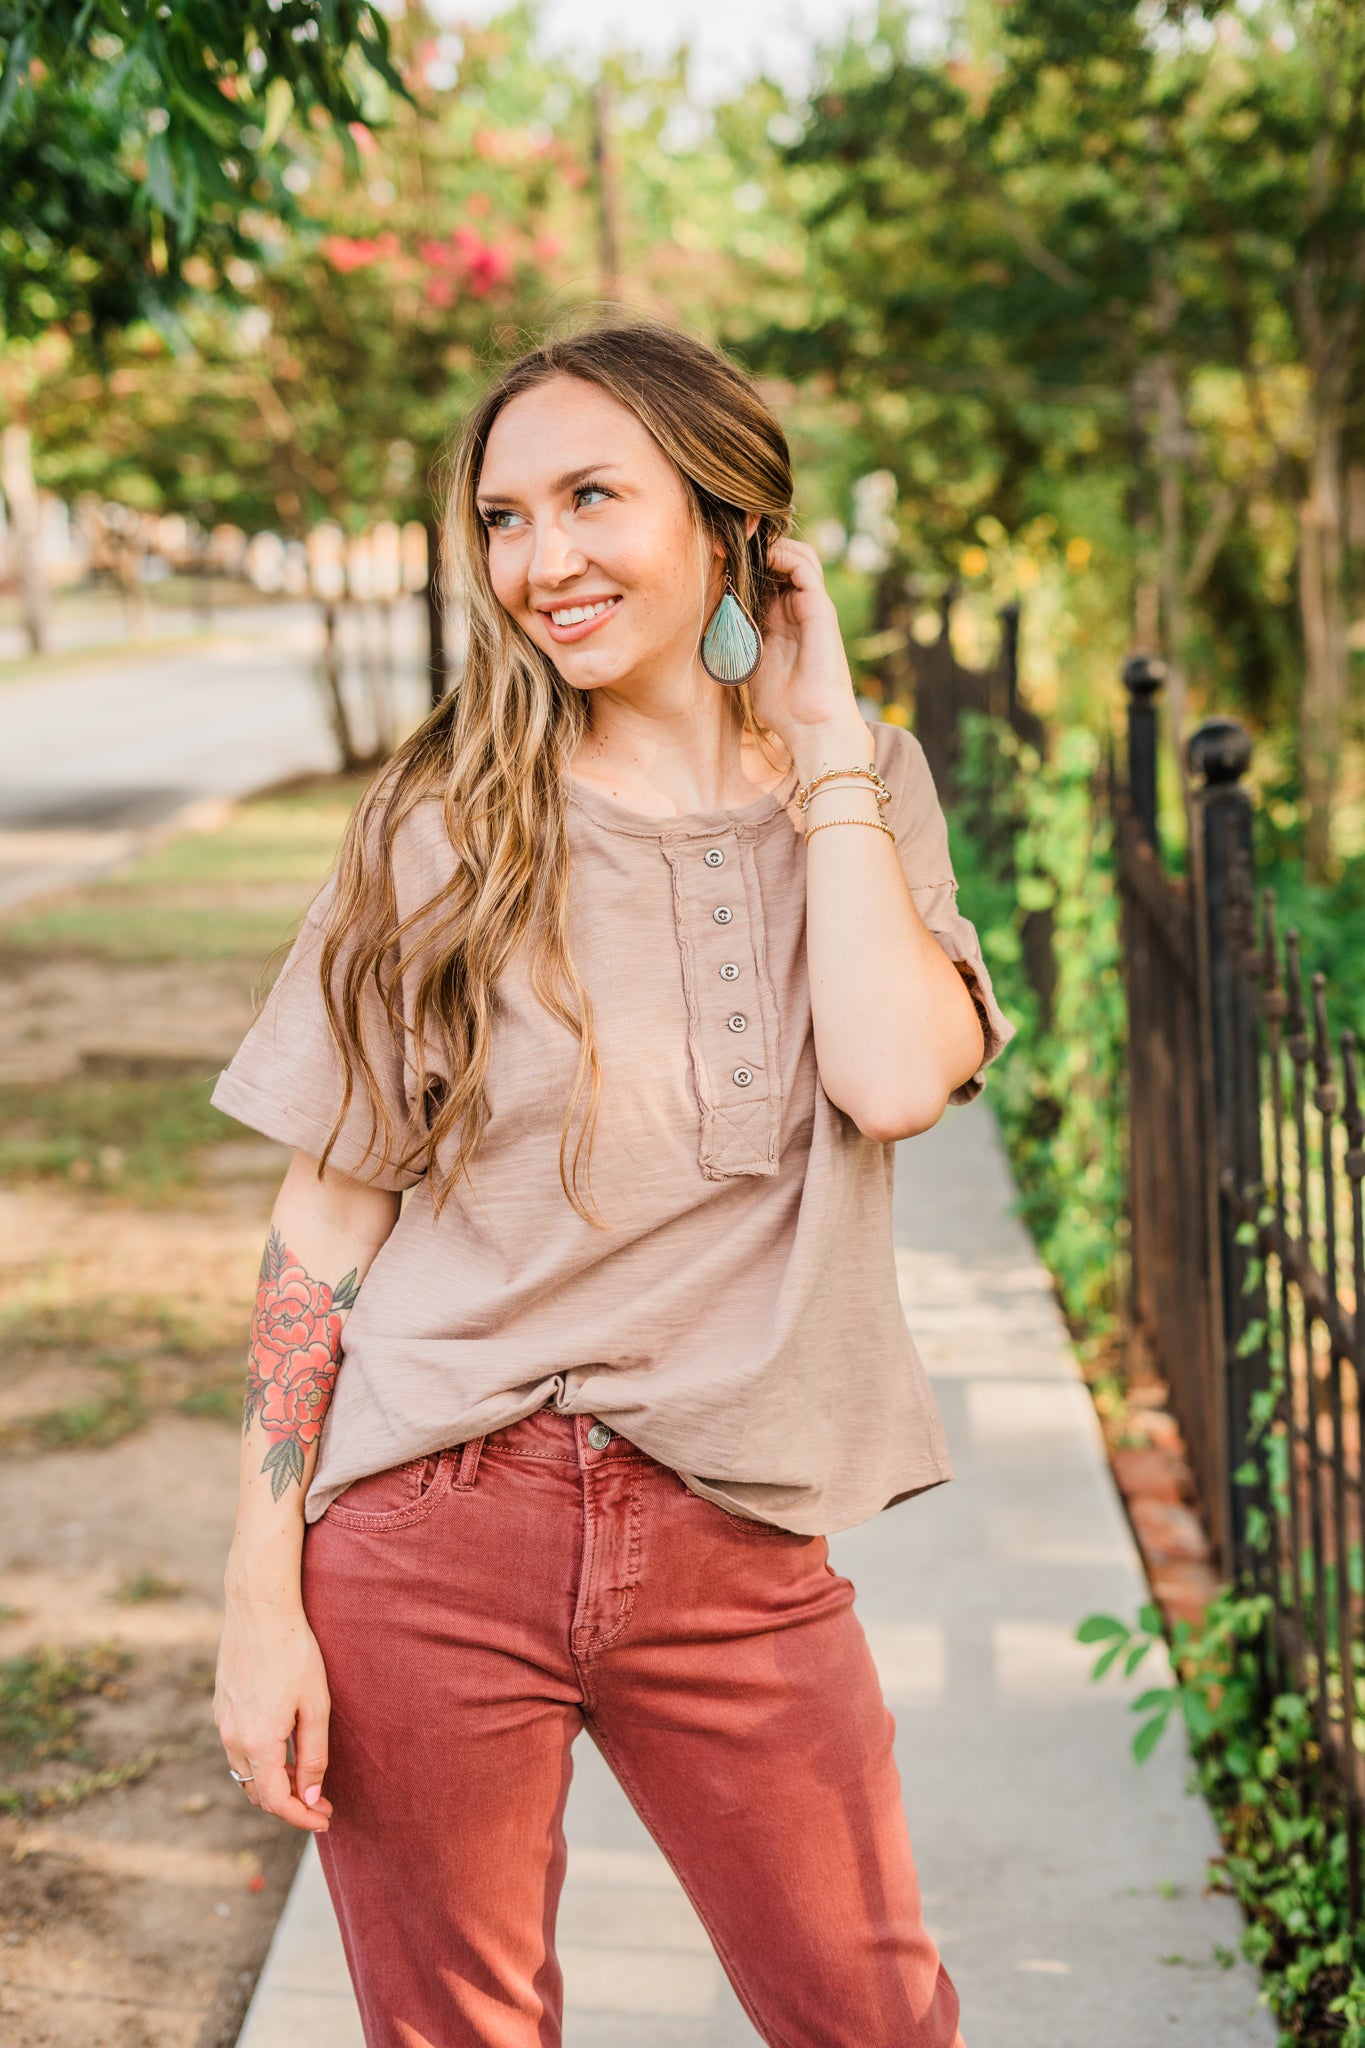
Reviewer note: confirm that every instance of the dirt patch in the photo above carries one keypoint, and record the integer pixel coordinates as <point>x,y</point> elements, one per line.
<point>139,1888</point>
<point>58,1017</point>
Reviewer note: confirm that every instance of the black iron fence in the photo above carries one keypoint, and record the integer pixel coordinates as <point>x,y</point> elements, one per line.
<point>1246,1162</point>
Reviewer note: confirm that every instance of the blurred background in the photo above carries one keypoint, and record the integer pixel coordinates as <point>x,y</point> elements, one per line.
<point>1062,309</point>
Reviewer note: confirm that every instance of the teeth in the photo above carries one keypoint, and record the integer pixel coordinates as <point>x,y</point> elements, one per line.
<point>576,613</point>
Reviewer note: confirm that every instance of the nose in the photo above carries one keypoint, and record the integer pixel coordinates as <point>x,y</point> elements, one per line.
<point>554,558</point>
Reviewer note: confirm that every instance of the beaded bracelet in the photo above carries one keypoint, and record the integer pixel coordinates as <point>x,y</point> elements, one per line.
<point>874,823</point>
<point>807,790</point>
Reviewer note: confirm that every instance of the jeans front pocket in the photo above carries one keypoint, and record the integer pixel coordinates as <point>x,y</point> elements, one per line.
<point>398,1496</point>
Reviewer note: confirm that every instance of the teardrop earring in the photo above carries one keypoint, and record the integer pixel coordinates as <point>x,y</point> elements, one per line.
<point>731,646</point>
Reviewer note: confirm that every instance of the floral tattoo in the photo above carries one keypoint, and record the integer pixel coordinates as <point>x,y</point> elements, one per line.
<point>292,1368</point>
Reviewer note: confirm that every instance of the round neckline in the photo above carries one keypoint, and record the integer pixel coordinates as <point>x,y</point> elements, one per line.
<point>607,811</point>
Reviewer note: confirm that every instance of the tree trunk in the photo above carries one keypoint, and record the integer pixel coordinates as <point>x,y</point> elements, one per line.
<point>21,496</point>
<point>352,758</point>
<point>1322,704</point>
<point>1171,448</point>
<point>608,191</point>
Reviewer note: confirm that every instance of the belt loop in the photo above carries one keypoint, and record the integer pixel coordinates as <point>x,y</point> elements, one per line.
<point>469,1461</point>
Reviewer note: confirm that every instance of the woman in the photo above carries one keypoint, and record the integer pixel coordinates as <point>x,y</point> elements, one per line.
<point>632,977</point>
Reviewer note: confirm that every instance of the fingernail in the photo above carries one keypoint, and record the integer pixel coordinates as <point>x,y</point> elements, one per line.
<point>312,1795</point>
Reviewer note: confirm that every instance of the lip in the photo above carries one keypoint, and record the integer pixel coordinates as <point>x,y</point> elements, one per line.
<point>562,634</point>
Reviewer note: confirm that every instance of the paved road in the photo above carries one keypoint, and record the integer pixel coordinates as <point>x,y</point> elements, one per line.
<point>1062,1882</point>
<point>99,754</point>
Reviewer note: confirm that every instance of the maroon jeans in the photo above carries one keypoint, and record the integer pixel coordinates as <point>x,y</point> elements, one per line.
<point>475,1609</point>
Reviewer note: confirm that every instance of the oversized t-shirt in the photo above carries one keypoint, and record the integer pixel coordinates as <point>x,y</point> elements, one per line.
<point>738,1319</point>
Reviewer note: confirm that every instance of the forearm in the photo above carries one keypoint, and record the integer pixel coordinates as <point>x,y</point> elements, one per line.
<point>895,1026</point>
<point>324,1236</point>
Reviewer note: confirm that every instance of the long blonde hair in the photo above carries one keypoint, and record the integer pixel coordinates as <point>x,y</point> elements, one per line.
<point>496,750</point>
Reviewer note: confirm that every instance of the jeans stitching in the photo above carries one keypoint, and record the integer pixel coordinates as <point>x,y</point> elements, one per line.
<point>407,1517</point>
<point>635,1511</point>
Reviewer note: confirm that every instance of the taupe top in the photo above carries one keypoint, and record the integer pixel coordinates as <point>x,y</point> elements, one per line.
<point>739,1318</point>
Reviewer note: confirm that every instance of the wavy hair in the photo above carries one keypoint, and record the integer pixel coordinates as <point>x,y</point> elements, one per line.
<point>496,750</point>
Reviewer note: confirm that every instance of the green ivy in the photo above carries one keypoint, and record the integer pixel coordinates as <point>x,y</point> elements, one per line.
<point>1058,1092</point>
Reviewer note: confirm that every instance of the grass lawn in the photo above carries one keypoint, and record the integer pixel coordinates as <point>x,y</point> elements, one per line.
<point>234,893</point>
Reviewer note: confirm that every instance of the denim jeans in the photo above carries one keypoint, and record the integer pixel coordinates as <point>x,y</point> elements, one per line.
<point>475,1609</point>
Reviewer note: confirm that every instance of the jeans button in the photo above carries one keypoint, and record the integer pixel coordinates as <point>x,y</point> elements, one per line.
<point>599,1436</point>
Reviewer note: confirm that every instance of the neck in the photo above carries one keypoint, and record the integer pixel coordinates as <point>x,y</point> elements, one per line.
<point>674,748</point>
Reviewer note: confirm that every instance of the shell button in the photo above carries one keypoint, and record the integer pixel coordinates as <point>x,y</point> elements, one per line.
<point>742,1076</point>
<point>713,857</point>
<point>722,913</point>
<point>729,972</point>
<point>739,1022</point>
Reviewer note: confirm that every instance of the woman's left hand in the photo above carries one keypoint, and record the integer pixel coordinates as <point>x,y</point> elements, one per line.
<point>803,681</point>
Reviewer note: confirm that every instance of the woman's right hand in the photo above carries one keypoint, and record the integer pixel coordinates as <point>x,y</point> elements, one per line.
<point>272,1684</point>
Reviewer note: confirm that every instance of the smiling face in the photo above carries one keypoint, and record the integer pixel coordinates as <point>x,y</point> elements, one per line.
<point>592,544</point>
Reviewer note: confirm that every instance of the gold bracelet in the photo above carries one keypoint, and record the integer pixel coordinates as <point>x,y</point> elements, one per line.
<point>806,791</point>
<point>874,823</point>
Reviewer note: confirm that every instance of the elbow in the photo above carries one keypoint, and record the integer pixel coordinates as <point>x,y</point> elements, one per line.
<point>889,1120</point>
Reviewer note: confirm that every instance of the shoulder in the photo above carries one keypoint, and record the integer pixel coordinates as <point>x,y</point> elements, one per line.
<point>914,812</point>
<point>416,850</point>
<point>901,760</point>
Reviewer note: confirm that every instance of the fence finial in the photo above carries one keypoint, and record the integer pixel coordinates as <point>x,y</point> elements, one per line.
<point>1143,676</point>
<point>1219,751</point>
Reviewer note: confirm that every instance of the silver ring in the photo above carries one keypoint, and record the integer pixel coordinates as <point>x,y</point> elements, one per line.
<point>238,1775</point>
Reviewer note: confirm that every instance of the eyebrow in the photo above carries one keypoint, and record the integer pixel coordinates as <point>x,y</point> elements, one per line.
<point>561,483</point>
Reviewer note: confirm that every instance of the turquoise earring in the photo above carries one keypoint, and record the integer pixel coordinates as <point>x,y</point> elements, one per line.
<point>731,646</point>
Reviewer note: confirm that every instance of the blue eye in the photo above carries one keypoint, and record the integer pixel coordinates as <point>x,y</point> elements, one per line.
<point>600,489</point>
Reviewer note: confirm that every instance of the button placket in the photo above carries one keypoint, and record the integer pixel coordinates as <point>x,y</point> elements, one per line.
<point>738,1103</point>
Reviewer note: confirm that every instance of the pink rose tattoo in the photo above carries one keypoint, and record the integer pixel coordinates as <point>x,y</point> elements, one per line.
<point>292,1368</point>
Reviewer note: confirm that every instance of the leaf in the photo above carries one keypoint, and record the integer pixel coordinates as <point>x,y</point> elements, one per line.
<point>161,176</point>
<point>345,1292</point>
<point>1096,1628</point>
<point>1104,1660</point>
<point>279,105</point>
<point>1197,1716</point>
<point>1159,1696</point>
<point>1148,1736</point>
<point>13,75</point>
<point>1134,1658</point>
<point>284,1462</point>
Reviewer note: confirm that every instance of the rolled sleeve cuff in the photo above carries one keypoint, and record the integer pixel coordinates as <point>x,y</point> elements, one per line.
<point>937,905</point>
<point>307,1129</point>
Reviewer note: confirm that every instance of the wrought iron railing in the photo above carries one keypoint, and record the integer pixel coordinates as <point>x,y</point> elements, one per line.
<point>1247,1221</point>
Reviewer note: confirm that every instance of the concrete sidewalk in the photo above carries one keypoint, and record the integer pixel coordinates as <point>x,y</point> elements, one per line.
<point>1062,1882</point>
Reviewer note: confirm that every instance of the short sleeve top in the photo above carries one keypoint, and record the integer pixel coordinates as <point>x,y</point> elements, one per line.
<point>738,1318</point>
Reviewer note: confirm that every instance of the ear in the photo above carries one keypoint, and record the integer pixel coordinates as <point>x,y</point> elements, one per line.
<point>750,525</point>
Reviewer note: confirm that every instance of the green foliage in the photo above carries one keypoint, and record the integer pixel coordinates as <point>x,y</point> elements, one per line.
<point>1058,1092</point>
<point>137,1135</point>
<point>134,138</point>
<point>40,1695</point>
<point>1258,1762</point>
